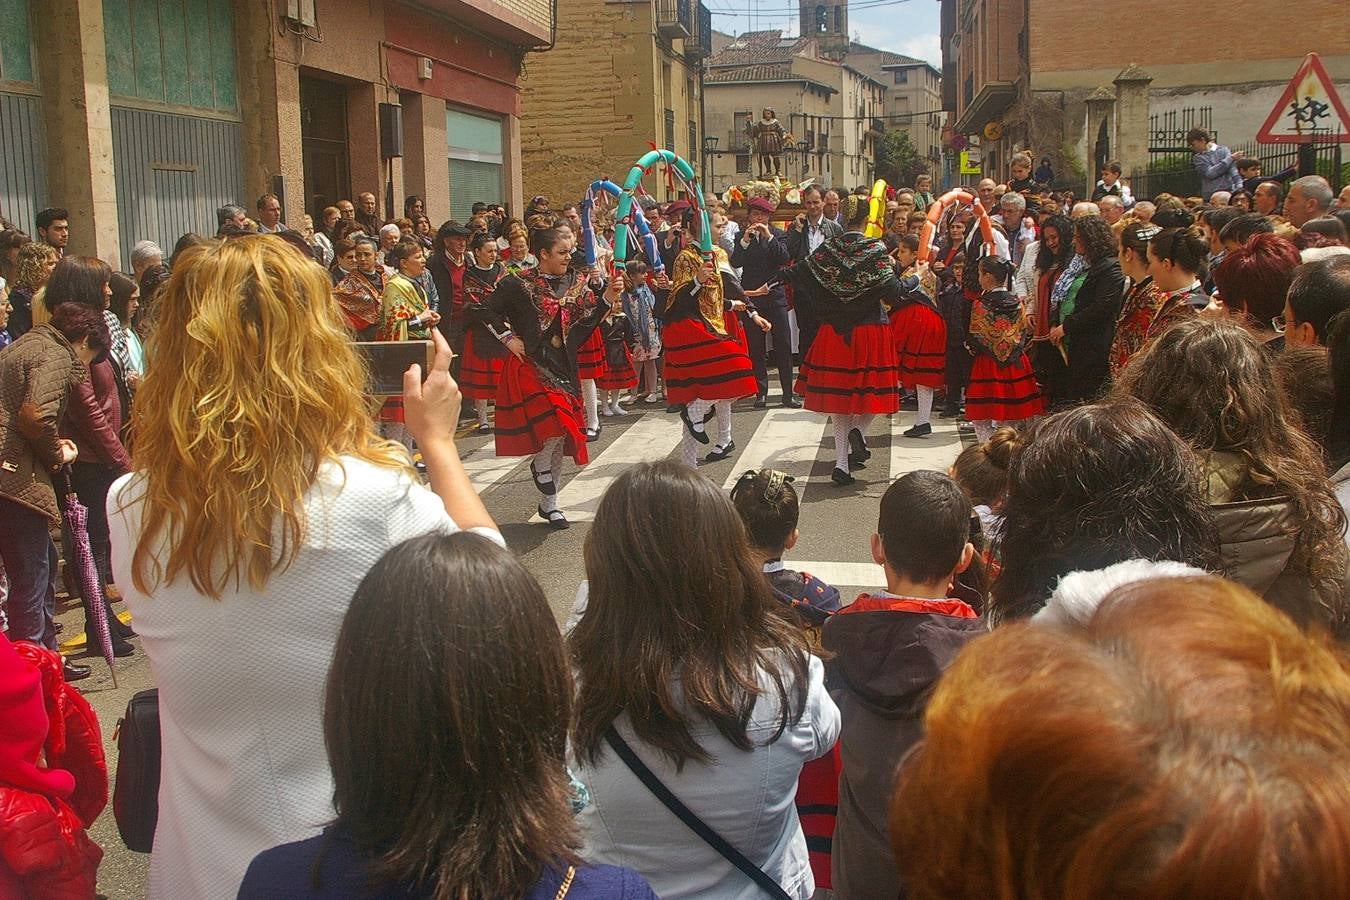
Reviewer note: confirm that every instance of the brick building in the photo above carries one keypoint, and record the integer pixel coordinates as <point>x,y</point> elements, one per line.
<point>143,118</point>
<point>1047,72</point>
<point>624,74</point>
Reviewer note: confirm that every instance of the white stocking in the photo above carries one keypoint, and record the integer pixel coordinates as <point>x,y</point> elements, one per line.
<point>689,450</point>
<point>842,424</point>
<point>984,429</point>
<point>925,406</point>
<point>723,410</point>
<point>481,407</point>
<point>548,464</point>
<point>862,423</point>
<point>649,382</point>
<point>592,400</point>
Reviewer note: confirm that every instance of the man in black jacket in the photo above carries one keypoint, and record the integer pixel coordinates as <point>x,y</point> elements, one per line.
<point>809,231</point>
<point>761,251</point>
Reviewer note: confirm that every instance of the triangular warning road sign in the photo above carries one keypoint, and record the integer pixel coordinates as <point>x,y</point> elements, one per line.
<point>1309,110</point>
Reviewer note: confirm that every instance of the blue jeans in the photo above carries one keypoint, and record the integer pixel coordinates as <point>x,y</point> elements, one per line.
<point>30,564</point>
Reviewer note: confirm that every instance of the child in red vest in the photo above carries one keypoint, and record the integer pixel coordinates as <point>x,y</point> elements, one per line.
<point>890,647</point>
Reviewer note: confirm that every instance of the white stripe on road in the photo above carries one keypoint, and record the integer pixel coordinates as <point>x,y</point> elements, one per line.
<point>652,437</point>
<point>485,468</point>
<point>787,440</point>
<point>937,451</point>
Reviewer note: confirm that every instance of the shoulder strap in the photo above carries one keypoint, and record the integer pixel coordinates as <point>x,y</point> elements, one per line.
<point>770,887</point>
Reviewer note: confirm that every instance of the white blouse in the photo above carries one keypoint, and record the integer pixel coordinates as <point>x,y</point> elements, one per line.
<point>241,678</point>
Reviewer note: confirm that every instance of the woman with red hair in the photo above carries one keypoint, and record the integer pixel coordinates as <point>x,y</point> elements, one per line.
<point>1253,280</point>
<point>1184,740</point>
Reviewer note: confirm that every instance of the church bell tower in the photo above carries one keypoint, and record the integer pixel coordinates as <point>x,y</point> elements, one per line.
<point>827,22</point>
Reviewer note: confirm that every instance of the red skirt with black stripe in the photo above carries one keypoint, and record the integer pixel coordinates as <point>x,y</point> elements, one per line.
<point>530,411</point>
<point>857,377</point>
<point>591,357</point>
<point>617,378</point>
<point>479,373</point>
<point>921,343</point>
<point>701,365</point>
<point>1006,393</point>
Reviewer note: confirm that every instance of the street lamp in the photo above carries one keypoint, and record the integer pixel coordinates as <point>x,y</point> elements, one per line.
<point>805,158</point>
<point>709,153</point>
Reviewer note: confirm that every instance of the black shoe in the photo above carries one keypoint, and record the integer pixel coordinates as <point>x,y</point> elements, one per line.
<point>856,462</point>
<point>556,520</point>
<point>761,402</point>
<point>483,428</point>
<point>790,402</point>
<point>547,488</point>
<point>592,435</point>
<point>674,407</point>
<point>909,403</point>
<point>950,412</point>
<point>841,478</point>
<point>74,671</point>
<point>919,431</point>
<point>699,435</point>
<point>720,453</point>
<point>858,445</point>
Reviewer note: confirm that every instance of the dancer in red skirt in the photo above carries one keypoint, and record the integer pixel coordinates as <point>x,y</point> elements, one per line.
<point>543,316</point>
<point>1003,386</point>
<point>480,369</point>
<point>920,333</point>
<point>590,369</point>
<point>850,370</point>
<point>705,364</point>
<point>619,372</point>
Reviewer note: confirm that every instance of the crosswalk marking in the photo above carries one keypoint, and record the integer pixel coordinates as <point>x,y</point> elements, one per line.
<point>650,438</point>
<point>485,468</point>
<point>937,451</point>
<point>787,440</point>
<point>848,574</point>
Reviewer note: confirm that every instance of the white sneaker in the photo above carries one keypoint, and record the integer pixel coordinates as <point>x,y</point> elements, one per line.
<point>605,410</point>
<point>619,410</point>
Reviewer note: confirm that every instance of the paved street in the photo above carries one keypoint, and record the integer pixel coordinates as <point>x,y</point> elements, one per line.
<point>835,528</point>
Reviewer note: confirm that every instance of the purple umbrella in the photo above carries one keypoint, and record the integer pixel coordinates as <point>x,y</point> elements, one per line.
<point>91,586</point>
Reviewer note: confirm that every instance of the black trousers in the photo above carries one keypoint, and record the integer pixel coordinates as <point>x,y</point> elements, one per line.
<point>777,316</point>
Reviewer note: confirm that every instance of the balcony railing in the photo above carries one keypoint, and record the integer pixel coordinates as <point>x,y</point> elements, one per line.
<point>699,45</point>
<point>675,18</point>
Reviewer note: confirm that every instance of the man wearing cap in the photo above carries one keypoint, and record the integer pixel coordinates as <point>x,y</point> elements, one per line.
<point>760,252</point>
<point>449,256</point>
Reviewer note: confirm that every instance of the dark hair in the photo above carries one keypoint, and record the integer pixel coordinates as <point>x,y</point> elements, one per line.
<point>1246,162</point>
<point>982,469</point>
<point>76,321</point>
<point>228,212</point>
<point>1099,241</point>
<point>1244,227</point>
<point>767,503</point>
<point>1184,247</point>
<point>635,268</point>
<point>1303,375</point>
<point>1097,485</point>
<point>409,202</point>
<point>813,189</point>
<point>264,198</point>
<point>190,239</point>
<point>1198,134</point>
<point>1113,167</point>
<point>449,763</point>
<point>909,242</point>
<point>1338,354</point>
<point>856,210</point>
<point>1255,277</point>
<point>1213,384</point>
<point>1327,225</point>
<point>924,525</point>
<point>153,280</point>
<point>122,290</point>
<point>1342,215</point>
<point>479,239</point>
<point>1173,215</point>
<point>1137,236</point>
<point>1001,269</point>
<point>1046,260</point>
<point>46,217</point>
<point>78,279</point>
<point>1240,195</point>
<point>341,246</point>
<point>1275,187</point>
<point>1219,216</point>
<point>401,252</point>
<point>547,238</point>
<point>680,625</point>
<point>1319,291</point>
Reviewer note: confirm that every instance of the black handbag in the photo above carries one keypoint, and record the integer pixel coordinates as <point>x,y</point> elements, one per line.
<point>686,815</point>
<point>136,795</point>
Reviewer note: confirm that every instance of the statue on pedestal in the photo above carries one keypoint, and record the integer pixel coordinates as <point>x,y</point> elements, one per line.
<point>768,136</point>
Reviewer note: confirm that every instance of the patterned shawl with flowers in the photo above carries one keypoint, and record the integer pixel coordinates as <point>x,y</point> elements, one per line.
<point>851,266</point>
<point>359,299</point>
<point>711,297</point>
<point>998,326</point>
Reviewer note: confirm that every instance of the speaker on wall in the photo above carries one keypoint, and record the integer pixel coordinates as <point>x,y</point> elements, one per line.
<point>391,130</point>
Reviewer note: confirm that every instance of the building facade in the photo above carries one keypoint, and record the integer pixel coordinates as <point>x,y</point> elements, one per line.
<point>913,99</point>
<point>832,110</point>
<point>142,119</point>
<point>625,77</point>
<point>1053,77</point>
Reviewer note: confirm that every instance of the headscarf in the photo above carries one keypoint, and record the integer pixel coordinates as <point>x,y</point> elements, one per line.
<point>851,266</point>
<point>711,300</point>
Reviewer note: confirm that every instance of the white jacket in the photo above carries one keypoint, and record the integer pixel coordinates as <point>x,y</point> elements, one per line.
<point>746,797</point>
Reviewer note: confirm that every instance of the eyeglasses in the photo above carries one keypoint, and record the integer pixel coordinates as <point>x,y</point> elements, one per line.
<point>1279,324</point>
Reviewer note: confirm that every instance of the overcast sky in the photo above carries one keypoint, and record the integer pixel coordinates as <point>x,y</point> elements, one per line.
<point>903,26</point>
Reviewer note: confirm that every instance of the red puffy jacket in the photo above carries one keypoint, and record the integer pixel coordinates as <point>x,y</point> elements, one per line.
<point>45,809</point>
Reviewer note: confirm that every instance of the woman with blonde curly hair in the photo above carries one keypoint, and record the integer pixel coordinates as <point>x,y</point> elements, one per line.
<point>260,495</point>
<point>34,267</point>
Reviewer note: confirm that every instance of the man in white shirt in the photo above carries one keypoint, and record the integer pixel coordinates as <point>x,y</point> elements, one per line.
<point>812,228</point>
